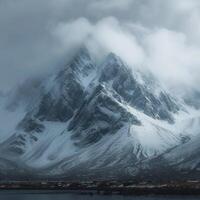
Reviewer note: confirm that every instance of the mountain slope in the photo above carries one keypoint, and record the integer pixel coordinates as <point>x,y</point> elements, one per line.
<point>89,121</point>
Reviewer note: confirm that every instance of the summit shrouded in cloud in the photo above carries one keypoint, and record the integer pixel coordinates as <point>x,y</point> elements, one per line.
<point>161,35</point>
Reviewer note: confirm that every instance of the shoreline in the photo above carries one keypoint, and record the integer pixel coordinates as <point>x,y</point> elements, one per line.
<point>105,188</point>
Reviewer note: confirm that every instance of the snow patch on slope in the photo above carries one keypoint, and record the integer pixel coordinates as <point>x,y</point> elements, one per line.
<point>52,146</point>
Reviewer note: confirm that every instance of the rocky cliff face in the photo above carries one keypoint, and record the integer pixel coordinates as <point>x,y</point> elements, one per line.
<point>91,121</point>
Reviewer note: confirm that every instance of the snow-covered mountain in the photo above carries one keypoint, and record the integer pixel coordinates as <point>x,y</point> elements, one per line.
<point>89,121</point>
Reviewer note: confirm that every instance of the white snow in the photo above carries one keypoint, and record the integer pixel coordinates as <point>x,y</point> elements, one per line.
<point>52,146</point>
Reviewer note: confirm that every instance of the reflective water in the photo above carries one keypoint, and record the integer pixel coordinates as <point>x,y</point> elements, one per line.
<point>49,195</point>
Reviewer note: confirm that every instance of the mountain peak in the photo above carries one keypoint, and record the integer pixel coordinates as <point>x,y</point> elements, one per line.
<point>113,67</point>
<point>83,51</point>
<point>82,63</point>
<point>113,58</point>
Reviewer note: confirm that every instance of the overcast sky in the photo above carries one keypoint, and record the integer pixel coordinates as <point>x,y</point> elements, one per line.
<point>163,35</point>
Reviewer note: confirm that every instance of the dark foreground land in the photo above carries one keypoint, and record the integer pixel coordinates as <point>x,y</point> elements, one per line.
<point>95,187</point>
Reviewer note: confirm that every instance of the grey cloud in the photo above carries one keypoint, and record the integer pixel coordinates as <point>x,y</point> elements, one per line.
<point>36,35</point>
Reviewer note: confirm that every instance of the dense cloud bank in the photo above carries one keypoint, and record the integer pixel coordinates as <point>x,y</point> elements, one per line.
<point>37,35</point>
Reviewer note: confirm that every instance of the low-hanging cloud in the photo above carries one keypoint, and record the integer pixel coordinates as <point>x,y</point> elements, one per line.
<point>165,52</point>
<point>160,35</point>
<point>172,59</point>
<point>105,36</point>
